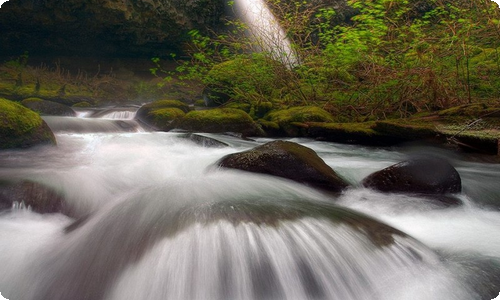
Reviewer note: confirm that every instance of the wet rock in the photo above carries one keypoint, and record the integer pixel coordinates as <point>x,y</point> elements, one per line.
<point>35,196</point>
<point>48,108</point>
<point>421,175</point>
<point>204,141</point>
<point>288,160</point>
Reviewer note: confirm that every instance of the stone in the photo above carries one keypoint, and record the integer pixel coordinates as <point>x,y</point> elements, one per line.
<point>288,160</point>
<point>420,175</point>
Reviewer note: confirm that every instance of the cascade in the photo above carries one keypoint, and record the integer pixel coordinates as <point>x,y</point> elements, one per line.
<point>158,221</point>
<point>265,29</point>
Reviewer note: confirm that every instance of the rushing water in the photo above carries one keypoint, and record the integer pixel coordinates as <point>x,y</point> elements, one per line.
<point>161,222</point>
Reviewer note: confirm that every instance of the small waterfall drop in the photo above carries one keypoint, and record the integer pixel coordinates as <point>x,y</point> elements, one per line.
<point>266,30</point>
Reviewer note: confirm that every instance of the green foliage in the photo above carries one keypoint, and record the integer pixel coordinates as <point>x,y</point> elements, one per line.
<point>392,59</point>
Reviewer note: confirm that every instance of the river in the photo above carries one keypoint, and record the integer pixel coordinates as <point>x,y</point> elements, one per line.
<point>162,222</point>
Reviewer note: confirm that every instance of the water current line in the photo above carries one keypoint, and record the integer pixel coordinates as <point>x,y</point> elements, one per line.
<point>266,30</point>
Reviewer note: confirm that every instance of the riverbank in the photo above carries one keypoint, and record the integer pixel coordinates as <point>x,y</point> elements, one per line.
<point>90,82</point>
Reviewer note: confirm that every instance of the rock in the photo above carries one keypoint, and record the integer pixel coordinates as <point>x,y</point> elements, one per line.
<point>421,175</point>
<point>48,108</point>
<point>21,127</point>
<point>290,120</point>
<point>219,120</point>
<point>204,141</point>
<point>288,160</point>
<point>36,196</point>
<point>162,114</point>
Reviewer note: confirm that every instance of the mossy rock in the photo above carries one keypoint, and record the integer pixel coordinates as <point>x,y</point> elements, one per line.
<point>405,130</point>
<point>162,114</point>
<point>163,118</point>
<point>21,127</point>
<point>82,104</point>
<point>48,108</point>
<point>288,160</point>
<point>166,103</point>
<point>288,119</point>
<point>349,133</point>
<point>219,120</point>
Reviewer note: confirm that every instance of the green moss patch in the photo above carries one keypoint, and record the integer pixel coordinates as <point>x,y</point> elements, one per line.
<point>166,103</point>
<point>220,120</point>
<point>299,114</point>
<point>21,127</point>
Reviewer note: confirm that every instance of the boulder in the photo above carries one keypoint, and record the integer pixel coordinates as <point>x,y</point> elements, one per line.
<point>21,127</point>
<point>291,121</point>
<point>219,120</point>
<point>420,175</point>
<point>288,160</point>
<point>48,108</point>
<point>162,114</point>
<point>38,197</point>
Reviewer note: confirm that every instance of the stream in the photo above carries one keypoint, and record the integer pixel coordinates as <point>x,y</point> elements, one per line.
<point>157,220</point>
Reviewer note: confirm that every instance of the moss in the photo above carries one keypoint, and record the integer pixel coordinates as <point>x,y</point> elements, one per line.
<point>200,103</point>
<point>358,133</point>
<point>246,107</point>
<point>16,119</point>
<point>220,120</point>
<point>406,130</point>
<point>288,119</point>
<point>161,118</point>
<point>468,110</point>
<point>21,127</point>
<point>299,114</point>
<point>31,100</point>
<point>166,103</point>
<point>82,104</point>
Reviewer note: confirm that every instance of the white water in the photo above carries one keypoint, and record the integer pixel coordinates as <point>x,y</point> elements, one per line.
<point>165,224</point>
<point>266,30</point>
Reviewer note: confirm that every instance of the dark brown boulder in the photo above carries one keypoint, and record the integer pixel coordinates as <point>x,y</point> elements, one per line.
<point>36,196</point>
<point>288,160</point>
<point>421,175</point>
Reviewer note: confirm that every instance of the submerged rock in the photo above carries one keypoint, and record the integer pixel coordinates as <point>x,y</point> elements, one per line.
<point>288,160</point>
<point>48,108</point>
<point>204,141</point>
<point>421,175</point>
<point>21,127</point>
<point>35,196</point>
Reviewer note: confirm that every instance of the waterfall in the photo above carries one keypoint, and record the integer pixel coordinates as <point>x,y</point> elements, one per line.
<point>265,29</point>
